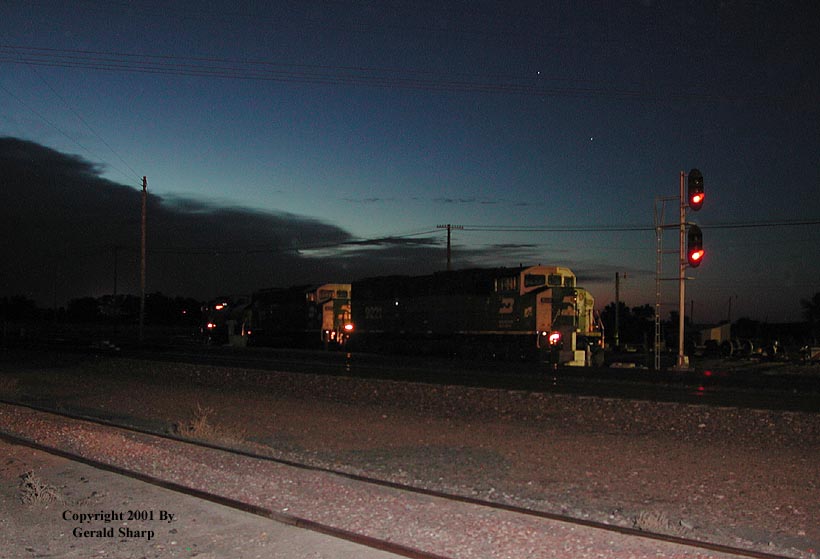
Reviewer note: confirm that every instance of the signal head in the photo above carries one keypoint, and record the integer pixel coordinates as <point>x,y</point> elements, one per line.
<point>695,252</point>
<point>695,189</point>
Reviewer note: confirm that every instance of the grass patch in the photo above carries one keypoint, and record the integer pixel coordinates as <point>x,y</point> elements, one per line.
<point>34,491</point>
<point>200,426</point>
<point>658,522</point>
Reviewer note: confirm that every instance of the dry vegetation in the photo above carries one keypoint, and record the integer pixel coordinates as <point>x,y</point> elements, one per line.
<point>201,426</point>
<point>35,491</point>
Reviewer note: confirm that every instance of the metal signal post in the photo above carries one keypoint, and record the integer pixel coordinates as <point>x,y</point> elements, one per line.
<point>682,362</point>
<point>693,202</point>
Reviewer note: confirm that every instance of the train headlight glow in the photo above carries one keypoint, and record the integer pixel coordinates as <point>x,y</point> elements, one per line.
<point>348,327</point>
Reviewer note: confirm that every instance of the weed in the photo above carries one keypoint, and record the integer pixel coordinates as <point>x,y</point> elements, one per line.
<point>652,521</point>
<point>200,427</point>
<point>34,491</point>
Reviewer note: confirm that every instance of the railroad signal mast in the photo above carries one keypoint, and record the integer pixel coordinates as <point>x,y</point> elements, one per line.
<point>690,252</point>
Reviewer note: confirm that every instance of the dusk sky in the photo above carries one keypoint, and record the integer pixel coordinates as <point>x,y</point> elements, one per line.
<point>324,140</point>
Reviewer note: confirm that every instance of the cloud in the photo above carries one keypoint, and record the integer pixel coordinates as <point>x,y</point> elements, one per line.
<point>67,232</point>
<point>370,200</point>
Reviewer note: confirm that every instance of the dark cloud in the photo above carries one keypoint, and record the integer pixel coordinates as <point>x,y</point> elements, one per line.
<point>485,201</point>
<point>455,200</point>
<point>371,200</point>
<point>67,232</point>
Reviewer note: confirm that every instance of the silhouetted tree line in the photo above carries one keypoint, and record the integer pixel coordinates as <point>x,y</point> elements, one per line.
<point>159,310</point>
<point>636,325</point>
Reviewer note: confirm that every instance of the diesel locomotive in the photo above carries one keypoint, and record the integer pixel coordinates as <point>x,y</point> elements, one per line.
<point>535,312</point>
<point>301,316</point>
<point>527,313</point>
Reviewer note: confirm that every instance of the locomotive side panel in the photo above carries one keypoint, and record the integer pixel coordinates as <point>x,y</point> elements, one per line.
<point>534,312</point>
<point>301,316</point>
<point>447,313</point>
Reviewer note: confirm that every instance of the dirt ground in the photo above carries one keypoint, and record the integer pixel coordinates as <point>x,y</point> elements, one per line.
<point>741,477</point>
<point>144,521</point>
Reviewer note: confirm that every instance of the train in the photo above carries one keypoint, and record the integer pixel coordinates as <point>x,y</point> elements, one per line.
<point>298,316</point>
<point>524,313</point>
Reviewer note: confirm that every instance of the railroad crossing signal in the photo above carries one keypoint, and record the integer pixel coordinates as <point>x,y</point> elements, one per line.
<point>695,250</point>
<point>695,189</point>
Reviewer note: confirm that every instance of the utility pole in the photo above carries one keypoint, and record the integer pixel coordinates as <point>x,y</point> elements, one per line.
<point>114,302</point>
<point>618,309</point>
<point>449,228</point>
<point>142,258</point>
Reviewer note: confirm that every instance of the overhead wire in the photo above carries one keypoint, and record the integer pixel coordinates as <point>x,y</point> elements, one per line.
<point>265,70</point>
<point>133,176</point>
<point>385,239</point>
<point>629,228</point>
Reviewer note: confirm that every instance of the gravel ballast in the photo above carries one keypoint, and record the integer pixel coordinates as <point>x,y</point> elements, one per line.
<point>734,476</point>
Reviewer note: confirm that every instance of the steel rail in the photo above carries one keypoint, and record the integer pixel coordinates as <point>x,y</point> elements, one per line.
<point>270,514</point>
<point>344,534</point>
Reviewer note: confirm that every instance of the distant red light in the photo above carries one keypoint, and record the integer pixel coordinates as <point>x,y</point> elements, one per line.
<point>555,338</point>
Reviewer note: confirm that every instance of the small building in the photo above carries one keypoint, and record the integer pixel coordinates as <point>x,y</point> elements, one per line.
<point>716,334</point>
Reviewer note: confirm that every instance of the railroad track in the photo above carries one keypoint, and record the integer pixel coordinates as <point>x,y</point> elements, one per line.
<point>742,390</point>
<point>80,439</point>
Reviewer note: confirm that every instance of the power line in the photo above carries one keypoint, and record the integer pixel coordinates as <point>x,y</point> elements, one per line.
<point>394,78</point>
<point>397,238</point>
<point>74,112</point>
<point>631,228</point>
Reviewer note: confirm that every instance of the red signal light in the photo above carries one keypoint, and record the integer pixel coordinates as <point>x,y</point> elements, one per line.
<point>695,252</point>
<point>695,189</point>
<point>555,338</point>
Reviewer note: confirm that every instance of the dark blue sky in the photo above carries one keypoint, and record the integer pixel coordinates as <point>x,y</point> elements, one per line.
<point>354,119</point>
